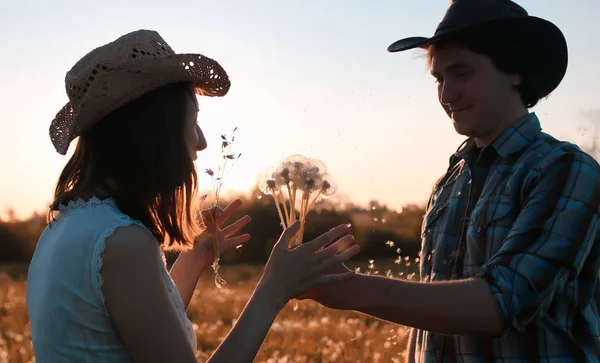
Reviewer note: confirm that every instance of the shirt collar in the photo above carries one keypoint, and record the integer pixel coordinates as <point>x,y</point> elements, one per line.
<point>513,140</point>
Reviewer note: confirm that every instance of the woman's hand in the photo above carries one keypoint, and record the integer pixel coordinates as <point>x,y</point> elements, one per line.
<point>291,273</point>
<point>213,220</point>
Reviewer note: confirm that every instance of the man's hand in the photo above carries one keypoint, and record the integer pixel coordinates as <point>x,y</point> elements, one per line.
<point>334,296</point>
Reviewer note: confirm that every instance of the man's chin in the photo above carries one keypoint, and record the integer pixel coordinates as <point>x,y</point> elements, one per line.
<point>461,128</point>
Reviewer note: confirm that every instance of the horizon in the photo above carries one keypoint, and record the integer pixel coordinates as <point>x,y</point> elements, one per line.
<point>311,78</point>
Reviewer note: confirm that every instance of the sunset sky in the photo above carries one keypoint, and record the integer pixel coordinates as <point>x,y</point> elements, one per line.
<point>309,77</point>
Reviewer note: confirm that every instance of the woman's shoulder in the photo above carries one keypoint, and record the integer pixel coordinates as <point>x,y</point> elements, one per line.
<point>91,214</point>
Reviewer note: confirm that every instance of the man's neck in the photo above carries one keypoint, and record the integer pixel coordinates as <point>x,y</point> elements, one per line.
<point>504,124</point>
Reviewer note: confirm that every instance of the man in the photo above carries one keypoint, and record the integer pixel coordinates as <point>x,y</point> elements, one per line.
<point>510,255</point>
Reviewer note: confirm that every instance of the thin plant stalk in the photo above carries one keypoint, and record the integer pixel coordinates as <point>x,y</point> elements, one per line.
<point>295,190</point>
<point>287,218</point>
<point>292,217</point>
<point>283,222</point>
<point>313,201</point>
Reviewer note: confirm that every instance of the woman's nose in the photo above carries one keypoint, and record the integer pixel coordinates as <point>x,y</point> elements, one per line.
<point>202,144</point>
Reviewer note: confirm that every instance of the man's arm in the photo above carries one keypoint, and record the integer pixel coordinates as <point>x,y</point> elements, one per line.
<point>462,307</point>
<point>545,249</point>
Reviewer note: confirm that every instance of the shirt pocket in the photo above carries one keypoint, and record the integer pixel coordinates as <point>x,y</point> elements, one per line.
<point>429,222</point>
<point>492,221</point>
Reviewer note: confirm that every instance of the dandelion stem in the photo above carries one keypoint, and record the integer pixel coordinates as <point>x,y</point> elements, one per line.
<point>291,215</point>
<point>313,201</point>
<point>283,222</point>
<point>303,212</point>
<point>287,218</point>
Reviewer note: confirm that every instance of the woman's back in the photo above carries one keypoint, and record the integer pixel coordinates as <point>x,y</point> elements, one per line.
<point>69,320</point>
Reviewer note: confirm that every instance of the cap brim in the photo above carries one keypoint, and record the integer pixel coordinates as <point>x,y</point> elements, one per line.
<point>408,43</point>
<point>546,44</point>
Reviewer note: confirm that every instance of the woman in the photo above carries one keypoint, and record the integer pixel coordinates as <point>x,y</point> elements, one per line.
<point>98,287</point>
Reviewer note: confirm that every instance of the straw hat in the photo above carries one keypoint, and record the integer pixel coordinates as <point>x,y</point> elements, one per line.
<point>118,72</point>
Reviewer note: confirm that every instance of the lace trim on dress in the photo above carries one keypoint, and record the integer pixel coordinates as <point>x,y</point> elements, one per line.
<point>80,204</point>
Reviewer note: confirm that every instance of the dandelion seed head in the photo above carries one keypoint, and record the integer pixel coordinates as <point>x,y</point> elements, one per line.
<point>284,174</point>
<point>307,184</point>
<point>328,185</point>
<point>266,183</point>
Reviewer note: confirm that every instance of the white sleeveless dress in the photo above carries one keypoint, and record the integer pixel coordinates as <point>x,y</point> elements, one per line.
<point>69,321</point>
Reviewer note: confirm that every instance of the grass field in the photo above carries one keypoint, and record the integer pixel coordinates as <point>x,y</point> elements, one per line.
<point>313,333</point>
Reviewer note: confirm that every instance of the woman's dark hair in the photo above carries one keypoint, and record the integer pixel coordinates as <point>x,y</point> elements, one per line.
<point>138,153</point>
<point>509,54</point>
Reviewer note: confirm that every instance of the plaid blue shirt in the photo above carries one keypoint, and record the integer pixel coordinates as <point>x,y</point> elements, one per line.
<point>523,214</point>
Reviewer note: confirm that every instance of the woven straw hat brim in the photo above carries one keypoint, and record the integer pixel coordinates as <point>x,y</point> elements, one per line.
<point>115,87</point>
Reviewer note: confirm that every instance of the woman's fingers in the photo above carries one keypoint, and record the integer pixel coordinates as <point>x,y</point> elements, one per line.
<point>224,215</point>
<point>325,239</point>
<point>338,246</point>
<point>337,259</point>
<point>288,234</point>
<point>235,241</point>
<point>236,226</point>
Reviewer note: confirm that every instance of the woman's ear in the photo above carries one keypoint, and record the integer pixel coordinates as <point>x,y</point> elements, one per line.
<point>515,79</point>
